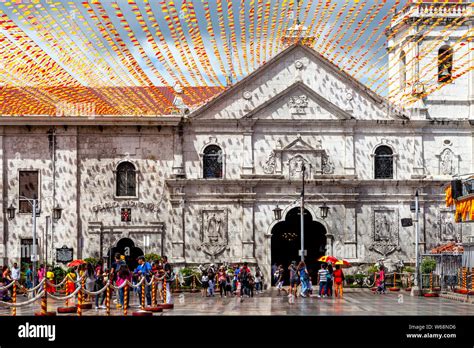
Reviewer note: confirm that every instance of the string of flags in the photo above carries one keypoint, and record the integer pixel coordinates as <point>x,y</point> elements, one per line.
<point>130,57</point>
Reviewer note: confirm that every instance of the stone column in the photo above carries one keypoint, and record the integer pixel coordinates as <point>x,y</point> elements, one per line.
<point>350,232</point>
<point>175,234</point>
<point>247,160</point>
<point>248,230</point>
<point>349,167</point>
<point>178,157</point>
<point>418,164</point>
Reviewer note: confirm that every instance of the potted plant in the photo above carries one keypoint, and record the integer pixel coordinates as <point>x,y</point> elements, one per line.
<point>428,265</point>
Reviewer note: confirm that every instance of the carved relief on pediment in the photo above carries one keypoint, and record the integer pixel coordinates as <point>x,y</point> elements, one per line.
<point>289,159</point>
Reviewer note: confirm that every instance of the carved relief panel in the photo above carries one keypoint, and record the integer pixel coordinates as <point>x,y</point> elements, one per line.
<point>448,160</point>
<point>448,230</point>
<point>298,105</point>
<point>214,234</point>
<point>385,231</point>
<point>289,159</point>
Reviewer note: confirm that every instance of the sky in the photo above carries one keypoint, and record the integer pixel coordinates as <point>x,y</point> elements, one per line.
<point>73,32</point>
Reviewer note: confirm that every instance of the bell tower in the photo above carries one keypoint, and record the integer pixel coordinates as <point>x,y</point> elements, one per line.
<point>431,57</point>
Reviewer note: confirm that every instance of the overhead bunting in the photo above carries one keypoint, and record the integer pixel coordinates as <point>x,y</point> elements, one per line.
<point>133,57</point>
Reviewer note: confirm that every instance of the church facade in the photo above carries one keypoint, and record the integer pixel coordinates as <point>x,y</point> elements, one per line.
<point>202,186</point>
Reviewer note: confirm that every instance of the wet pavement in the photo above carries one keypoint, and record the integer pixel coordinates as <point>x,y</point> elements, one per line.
<point>362,302</point>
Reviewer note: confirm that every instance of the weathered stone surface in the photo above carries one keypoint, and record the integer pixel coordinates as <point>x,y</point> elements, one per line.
<point>195,220</point>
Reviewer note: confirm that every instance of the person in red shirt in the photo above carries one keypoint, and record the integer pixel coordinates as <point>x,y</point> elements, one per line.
<point>338,281</point>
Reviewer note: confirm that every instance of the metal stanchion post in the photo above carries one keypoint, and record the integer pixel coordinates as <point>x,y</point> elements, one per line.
<point>431,281</point>
<point>79,302</point>
<point>164,289</point>
<point>153,292</point>
<point>107,300</point>
<point>125,299</point>
<point>14,298</point>
<point>44,303</point>
<point>143,294</point>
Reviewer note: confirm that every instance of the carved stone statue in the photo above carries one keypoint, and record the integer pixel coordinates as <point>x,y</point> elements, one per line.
<point>214,229</point>
<point>385,233</point>
<point>214,237</point>
<point>296,166</point>
<point>327,165</point>
<point>382,228</point>
<point>446,162</point>
<point>270,163</point>
<point>447,227</point>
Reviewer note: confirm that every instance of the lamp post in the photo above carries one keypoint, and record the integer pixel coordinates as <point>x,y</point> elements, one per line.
<point>415,291</point>
<point>303,170</point>
<point>34,202</point>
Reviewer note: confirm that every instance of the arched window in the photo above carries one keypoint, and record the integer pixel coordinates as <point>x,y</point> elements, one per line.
<point>445,64</point>
<point>383,162</point>
<point>126,180</point>
<point>212,162</point>
<point>403,70</point>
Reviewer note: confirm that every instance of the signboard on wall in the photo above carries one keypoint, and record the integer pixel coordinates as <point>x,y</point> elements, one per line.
<point>64,254</point>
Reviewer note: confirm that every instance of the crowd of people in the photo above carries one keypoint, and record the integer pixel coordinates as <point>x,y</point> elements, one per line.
<point>96,277</point>
<point>328,276</point>
<point>237,280</point>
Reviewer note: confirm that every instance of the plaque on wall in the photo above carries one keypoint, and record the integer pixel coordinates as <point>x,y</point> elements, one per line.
<point>64,254</point>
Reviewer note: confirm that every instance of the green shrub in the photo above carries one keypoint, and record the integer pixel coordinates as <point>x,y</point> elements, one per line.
<point>360,278</point>
<point>372,269</point>
<point>187,274</point>
<point>349,279</point>
<point>428,265</point>
<point>152,257</point>
<point>408,269</point>
<point>92,260</point>
<point>59,273</point>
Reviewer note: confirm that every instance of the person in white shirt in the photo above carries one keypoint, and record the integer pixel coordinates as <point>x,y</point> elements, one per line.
<point>15,272</point>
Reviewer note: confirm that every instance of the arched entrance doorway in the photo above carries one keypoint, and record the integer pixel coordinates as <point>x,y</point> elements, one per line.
<point>286,242</point>
<point>125,246</point>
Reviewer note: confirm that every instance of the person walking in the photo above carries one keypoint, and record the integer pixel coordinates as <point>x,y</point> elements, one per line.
<point>90,278</point>
<point>144,270</point>
<point>274,274</point>
<point>123,275</point>
<point>101,278</point>
<point>29,277</point>
<point>50,289</point>
<point>280,279</point>
<point>222,279</point>
<point>169,278</point>
<point>380,282</point>
<point>258,280</point>
<point>338,281</point>
<point>304,277</point>
<point>16,272</point>
<point>211,275</point>
<point>294,279</point>
<point>244,274</point>
<point>329,280</point>
<point>322,275</point>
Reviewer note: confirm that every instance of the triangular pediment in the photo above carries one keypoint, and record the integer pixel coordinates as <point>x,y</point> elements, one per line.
<point>298,145</point>
<point>333,93</point>
<point>298,101</point>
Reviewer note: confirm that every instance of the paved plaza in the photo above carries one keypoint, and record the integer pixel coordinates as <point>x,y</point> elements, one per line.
<point>361,302</point>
